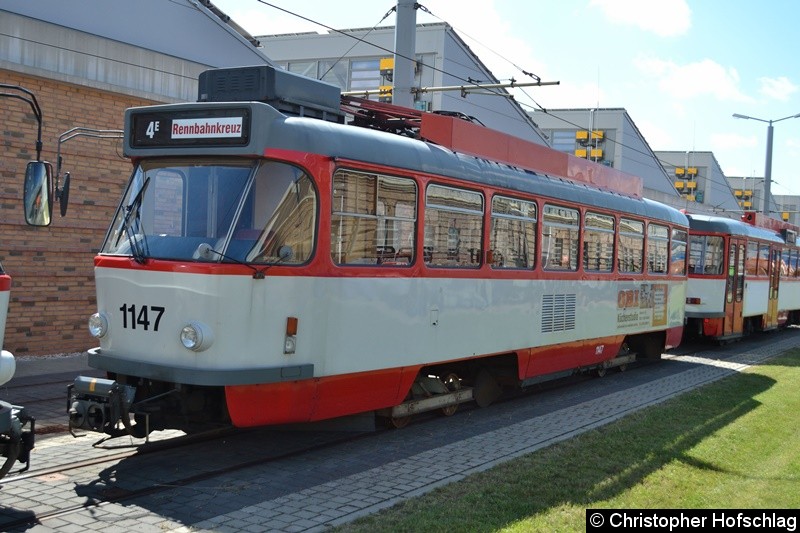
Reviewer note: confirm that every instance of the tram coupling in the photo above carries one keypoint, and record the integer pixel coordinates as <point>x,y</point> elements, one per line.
<point>96,404</point>
<point>16,440</point>
<point>17,427</point>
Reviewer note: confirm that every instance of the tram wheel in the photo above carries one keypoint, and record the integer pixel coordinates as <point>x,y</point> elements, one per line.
<point>13,447</point>
<point>623,367</point>
<point>399,422</point>
<point>601,371</point>
<point>453,384</point>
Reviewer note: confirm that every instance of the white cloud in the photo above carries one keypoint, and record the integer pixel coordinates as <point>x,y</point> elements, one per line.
<point>666,18</point>
<point>732,141</point>
<point>568,95</point>
<point>793,143</point>
<point>777,88</point>
<point>701,78</point>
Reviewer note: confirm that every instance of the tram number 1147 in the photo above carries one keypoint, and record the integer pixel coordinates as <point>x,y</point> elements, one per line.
<point>141,317</point>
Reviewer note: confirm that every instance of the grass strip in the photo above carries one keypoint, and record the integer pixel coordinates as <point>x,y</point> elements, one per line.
<point>730,444</point>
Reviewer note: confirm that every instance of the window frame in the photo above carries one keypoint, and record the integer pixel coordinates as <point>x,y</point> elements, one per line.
<point>453,254</point>
<point>496,216</point>
<point>624,234</point>
<point>400,257</point>
<point>589,228</point>
<point>553,244</point>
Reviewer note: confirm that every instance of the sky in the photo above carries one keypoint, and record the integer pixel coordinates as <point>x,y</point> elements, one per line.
<point>681,68</point>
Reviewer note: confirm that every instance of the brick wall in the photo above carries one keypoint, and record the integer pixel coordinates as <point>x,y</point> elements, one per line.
<point>52,292</point>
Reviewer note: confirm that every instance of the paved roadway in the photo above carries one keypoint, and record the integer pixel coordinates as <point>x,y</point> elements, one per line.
<point>335,485</point>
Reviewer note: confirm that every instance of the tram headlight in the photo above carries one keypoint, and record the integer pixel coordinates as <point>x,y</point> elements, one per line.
<point>98,325</point>
<point>196,336</point>
<point>7,366</point>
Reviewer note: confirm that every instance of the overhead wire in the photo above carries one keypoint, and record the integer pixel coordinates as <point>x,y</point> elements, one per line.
<point>364,41</point>
<point>538,107</point>
<point>322,77</point>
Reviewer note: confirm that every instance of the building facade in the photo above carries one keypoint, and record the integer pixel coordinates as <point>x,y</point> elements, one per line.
<point>609,136</point>
<point>701,183</point>
<point>86,61</point>
<point>749,192</point>
<point>352,59</point>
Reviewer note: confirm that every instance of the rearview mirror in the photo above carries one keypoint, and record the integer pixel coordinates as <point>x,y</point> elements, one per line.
<point>62,194</point>
<point>37,200</point>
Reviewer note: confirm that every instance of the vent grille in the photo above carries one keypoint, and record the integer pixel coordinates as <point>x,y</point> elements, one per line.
<point>289,93</point>
<point>242,81</point>
<point>558,312</point>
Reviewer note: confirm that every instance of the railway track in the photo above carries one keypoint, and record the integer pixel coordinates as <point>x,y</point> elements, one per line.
<point>150,471</point>
<point>109,477</point>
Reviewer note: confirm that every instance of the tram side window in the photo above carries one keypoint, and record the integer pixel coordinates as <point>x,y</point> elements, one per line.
<point>786,260</point>
<point>598,243</point>
<point>705,255</point>
<point>657,248</point>
<point>560,238</point>
<point>453,227</point>
<point>631,246</point>
<point>751,266</point>
<point>677,252</point>
<point>792,266</point>
<point>373,220</point>
<point>513,233</point>
<point>763,260</point>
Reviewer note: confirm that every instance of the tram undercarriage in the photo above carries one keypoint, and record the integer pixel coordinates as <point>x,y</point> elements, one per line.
<point>136,407</point>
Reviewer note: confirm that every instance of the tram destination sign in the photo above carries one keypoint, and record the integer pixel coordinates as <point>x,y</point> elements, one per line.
<point>194,127</point>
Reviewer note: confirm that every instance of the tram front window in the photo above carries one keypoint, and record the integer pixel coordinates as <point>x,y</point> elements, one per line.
<point>216,211</point>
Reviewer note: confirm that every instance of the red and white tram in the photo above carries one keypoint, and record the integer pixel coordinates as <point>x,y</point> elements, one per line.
<point>742,276</point>
<point>268,268</point>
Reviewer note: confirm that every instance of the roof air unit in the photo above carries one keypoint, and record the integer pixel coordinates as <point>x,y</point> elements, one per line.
<point>287,92</point>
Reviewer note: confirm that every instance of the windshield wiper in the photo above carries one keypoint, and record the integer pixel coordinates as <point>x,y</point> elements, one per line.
<point>205,251</point>
<point>131,225</point>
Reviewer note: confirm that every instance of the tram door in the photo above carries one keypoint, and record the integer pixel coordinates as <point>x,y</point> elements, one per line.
<point>774,281</point>
<point>734,288</point>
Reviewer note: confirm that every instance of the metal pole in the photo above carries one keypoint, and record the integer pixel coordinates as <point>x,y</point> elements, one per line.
<point>405,45</point>
<point>768,171</point>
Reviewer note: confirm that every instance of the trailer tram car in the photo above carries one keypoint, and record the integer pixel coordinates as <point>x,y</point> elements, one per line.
<point>742,276</point>
<point>270,263</point>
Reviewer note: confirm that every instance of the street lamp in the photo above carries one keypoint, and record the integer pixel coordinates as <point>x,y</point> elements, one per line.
<point>768,169</point>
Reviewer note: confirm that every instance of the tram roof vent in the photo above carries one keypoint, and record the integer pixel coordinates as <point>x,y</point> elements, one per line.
<point>287,92</point>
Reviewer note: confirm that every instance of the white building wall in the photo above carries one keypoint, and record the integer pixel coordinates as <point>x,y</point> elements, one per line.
<point>714,194</point>
<point>623,146</point>
<point>445,61</point>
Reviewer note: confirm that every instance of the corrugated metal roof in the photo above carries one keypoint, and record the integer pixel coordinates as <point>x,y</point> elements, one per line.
<point>181,28</point>
<point>729,226</point>
<point>363,144</point>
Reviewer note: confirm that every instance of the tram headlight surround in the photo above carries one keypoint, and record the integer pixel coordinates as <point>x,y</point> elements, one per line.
<point>196,336</point>
<point>98,325</point>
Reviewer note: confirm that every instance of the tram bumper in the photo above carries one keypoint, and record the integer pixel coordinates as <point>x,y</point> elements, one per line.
<point>96,404</point>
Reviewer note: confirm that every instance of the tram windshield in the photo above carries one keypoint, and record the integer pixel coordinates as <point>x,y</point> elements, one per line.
<point>216,211</point>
